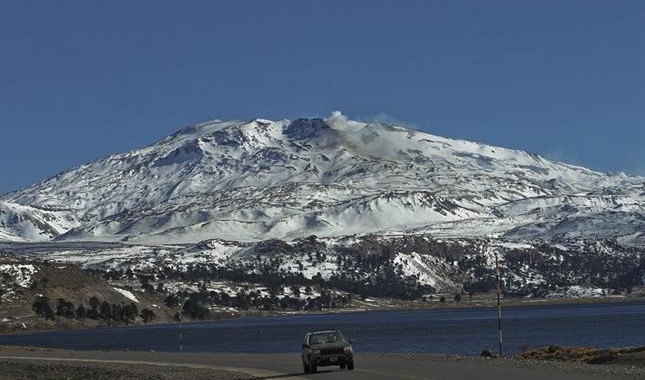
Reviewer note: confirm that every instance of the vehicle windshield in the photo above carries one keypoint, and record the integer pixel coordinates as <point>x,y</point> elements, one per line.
<point>326,337</point>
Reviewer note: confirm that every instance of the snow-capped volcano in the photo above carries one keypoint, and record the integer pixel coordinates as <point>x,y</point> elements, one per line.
<point>262,179</point>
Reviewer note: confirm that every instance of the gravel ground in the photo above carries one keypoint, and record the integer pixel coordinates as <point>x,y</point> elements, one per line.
<point>42,370</point>
<point>622,371</point>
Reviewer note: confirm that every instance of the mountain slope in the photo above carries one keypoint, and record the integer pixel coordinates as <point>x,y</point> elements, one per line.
<point>263,179</point>
<point>25,223</point>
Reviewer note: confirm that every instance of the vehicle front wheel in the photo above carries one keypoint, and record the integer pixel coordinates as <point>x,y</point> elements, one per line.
<point>342,366</point>
<point>350,366</point>
<point>305,367</point>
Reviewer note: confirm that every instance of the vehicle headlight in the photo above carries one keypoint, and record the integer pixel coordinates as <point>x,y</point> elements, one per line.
<point>348,349</point>
<point>316,352</point>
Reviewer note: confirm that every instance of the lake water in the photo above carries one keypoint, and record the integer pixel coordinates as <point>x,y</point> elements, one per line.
<point>453,331</point>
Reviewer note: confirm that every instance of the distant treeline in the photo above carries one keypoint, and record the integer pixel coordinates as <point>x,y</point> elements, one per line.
<point>96,309</point>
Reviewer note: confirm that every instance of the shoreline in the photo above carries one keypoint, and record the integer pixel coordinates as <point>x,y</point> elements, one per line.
<point>388,305</point>
<point>399,306</point>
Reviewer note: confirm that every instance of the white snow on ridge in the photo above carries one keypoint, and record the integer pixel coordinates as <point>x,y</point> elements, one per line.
<point>262,179</point>
<point>19,222</point>
<point>6,236</point>
<point>420,266</point>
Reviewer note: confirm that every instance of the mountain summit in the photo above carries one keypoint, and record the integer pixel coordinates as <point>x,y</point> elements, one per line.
<point>262,179</point>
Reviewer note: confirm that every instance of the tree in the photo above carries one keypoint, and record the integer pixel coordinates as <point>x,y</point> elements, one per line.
<point>129,312</point>
<point>80,312</point>
<point>147,315</point>
<point>94,303</point>
<point>457,298</point>
<point>243,300</point>
<point>41,307</point>
<point>195,310</point>
<point>65,308</point>
<point>148,288</point>
<point>295,289</point>
<point>116,312</point>
<point>106,310</point>
<point>172,300</point>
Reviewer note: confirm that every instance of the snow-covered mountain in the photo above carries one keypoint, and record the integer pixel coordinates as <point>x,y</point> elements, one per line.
<point>21,223</point>
<point>261,179</point>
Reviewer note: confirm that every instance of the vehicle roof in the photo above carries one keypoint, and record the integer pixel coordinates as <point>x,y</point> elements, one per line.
<point>322,332</point>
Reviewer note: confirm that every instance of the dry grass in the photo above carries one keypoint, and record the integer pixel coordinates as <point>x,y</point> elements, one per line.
<point>632,355</point>
<point>559,353</point>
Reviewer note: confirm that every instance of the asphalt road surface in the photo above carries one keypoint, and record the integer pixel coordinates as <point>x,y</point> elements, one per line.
<point>368,366</point>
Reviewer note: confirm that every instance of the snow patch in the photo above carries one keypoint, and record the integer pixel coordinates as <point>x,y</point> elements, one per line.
<point>127,294</point>
<point>21,275</point>
<point>577,291</point>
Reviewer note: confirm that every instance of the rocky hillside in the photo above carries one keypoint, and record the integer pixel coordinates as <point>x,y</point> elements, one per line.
<point>40,294</point>
<point>314,273</point>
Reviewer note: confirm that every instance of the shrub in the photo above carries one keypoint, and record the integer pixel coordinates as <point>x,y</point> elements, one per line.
<point>147,315</point>
<point>41,307</point>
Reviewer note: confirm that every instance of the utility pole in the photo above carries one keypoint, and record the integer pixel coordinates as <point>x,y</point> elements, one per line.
<point>179,320</point>
<point>499,305</point>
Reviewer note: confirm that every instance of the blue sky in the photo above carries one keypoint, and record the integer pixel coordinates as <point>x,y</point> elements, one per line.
<point>80,80</point>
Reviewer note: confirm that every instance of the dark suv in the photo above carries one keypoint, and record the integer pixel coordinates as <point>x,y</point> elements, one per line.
<point>323,348</point>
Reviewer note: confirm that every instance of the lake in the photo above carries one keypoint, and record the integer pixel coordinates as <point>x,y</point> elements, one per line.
<point>465,331</point>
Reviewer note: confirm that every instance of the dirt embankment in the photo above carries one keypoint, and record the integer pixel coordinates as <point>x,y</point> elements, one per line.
<point>52,370</point>
<point>41,370</point>
<point>14,369</point>
<point>630,356</point>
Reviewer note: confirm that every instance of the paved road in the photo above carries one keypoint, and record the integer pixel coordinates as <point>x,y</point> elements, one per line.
<point>288,366</point>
